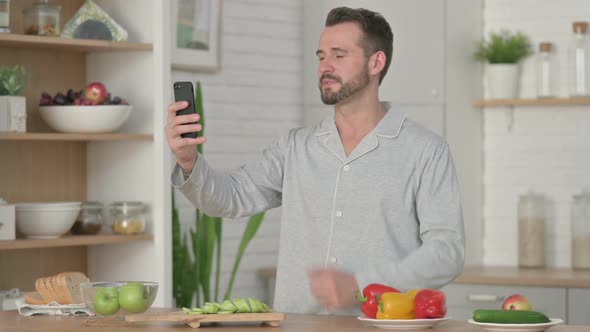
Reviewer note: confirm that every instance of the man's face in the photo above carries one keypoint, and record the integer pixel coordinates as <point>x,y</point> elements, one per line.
<point>343,67</point>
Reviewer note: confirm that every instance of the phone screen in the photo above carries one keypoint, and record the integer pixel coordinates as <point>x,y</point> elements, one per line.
<point>183,91</point>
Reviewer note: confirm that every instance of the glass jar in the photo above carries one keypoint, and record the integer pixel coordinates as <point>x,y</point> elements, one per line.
<point>4,16</point>
<point>581,231</point>
<point>127,217</point>
<point>531,230</point>
<point>90,219</point>
<point>547,76</point>
<point>578,61</point>
<point>42,19</point>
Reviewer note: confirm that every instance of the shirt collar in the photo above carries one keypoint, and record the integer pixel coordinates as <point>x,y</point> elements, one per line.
<point>389,127</point>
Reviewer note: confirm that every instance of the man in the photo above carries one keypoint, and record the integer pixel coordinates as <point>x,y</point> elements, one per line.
<point>367,195</point>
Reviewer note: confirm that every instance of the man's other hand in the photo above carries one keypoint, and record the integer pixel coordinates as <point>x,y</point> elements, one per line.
<point>332,288</point>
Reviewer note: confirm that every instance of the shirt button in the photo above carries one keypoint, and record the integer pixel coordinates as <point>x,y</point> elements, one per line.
<point>346,168</point>
<point>333,260</point>
<point>338,213</point>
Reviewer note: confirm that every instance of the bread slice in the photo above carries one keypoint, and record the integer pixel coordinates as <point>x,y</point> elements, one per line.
<point>42,290</point>
<point>49,287</point>
<point>58,289</point>
<point>34,298</point>
<point>72,281</point>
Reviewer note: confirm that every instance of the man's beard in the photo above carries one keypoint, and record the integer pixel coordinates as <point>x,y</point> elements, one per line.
<point>346,89</point>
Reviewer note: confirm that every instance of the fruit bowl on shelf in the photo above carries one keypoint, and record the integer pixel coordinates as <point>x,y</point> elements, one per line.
<point>90,110</point>
<point>119,298</point>
<point>85,119</point>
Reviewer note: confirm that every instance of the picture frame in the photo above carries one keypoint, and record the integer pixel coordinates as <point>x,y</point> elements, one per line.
<point>196,35</point>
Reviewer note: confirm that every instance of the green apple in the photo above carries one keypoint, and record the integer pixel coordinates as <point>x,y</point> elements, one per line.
<point>106,301</point>
<point>133,297</point>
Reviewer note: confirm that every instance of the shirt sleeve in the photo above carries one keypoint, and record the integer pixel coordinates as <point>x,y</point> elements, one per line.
<point>441,256</point>
<point>248,190</point>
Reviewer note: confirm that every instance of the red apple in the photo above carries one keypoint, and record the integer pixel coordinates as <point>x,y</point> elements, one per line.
<point>96,92</point>
<point>516,302</point>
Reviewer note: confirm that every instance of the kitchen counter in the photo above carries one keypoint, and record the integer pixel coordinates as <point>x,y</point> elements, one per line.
<point>11,321</point>
<point>514,276</point>
<point>499,275</point>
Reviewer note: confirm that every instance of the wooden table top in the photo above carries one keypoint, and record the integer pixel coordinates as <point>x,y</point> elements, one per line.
<point>543,277</point>
<point>11,321</point>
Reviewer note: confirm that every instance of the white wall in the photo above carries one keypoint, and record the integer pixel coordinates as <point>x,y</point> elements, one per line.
<point>548,148</point>
<point>254,99</point>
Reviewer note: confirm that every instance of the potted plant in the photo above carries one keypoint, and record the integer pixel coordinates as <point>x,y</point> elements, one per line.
<point>13,104</point>
<point>502,52</point>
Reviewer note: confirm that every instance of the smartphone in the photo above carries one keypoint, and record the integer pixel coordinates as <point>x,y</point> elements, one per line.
<point>183,91</point>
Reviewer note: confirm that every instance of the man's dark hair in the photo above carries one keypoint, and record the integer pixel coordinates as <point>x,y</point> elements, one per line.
<point>376,30</point>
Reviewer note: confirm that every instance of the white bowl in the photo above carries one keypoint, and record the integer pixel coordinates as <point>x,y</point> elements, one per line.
<point>46,220</point>
<point>85,119</point>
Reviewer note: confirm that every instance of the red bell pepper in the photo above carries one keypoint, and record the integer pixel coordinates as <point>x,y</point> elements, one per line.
<point>430,303</point>
<point>369,305</point>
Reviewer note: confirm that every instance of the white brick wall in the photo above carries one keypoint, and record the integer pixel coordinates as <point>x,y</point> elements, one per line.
<point>255,99</point>
<point>548,148</point>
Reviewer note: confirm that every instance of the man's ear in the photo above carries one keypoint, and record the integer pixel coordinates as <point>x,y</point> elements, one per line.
<point>377,62</point>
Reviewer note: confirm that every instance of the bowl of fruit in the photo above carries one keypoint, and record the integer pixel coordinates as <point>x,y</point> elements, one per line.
<point>90,110</point>
<point>119,298</point>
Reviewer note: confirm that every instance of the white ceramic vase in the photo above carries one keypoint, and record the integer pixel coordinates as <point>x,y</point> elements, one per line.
<point>13,114</point>
<point>503,80</point>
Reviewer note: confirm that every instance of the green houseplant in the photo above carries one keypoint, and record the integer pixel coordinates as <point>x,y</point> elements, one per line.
<point>193,255</point>
<point>502,52</point>
<point>12,80</point>
<point>12,102</point>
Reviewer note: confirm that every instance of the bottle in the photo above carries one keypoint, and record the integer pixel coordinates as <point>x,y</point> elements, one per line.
<point>4,16</point>
<point>581,231</point>
<point>546,71</point>
<point>531,230</point>
<point>578,59</point>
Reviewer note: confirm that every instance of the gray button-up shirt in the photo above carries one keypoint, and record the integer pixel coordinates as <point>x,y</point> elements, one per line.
<point>390,212</point>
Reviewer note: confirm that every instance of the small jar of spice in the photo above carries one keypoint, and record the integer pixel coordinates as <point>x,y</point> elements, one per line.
<point>127,217</point>
<point>90,219</point>
<point>42,19</point>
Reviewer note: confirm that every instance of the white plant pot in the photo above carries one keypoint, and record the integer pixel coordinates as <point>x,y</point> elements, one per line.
<point>13,114</point>
<point>503,80</point>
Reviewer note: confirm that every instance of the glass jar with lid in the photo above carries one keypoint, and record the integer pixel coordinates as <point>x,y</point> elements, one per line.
<point>90,219</point>
<point>127,217</point>
<point>4,16</point>
<point>42,19</point>
<point>531,230</point>
<point>581,231</point>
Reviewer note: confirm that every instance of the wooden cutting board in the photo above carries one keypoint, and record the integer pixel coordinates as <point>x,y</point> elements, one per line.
<point>194,321</point>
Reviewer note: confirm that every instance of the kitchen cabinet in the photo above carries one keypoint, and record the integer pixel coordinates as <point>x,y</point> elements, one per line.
<point>130,165</point>
<point>578,306</point>
<point>463,299</point>
<point>433,77</point>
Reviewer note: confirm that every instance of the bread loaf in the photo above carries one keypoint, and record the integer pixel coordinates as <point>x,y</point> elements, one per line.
<point>63,288</point>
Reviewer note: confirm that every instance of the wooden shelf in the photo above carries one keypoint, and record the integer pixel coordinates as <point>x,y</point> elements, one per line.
<point>73,240</point>
<point>74,137</point>
<point>531,102</point>
<point>74,45</point>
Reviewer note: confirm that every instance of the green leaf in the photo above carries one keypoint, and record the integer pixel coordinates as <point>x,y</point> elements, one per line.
<point>199,109</point>
<point>219,236</point>
<point>503,47</point>
<point>249,233</point>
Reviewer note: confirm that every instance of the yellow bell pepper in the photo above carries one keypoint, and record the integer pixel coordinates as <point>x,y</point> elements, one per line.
<point>413,292</point>
<point>395,306</point>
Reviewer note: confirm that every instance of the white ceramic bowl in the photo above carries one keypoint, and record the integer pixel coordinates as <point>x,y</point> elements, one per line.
<point>46,220</point>
<point>85,119</point>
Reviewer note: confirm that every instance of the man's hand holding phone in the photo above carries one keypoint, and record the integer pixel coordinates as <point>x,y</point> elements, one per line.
<point>184,148</point>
